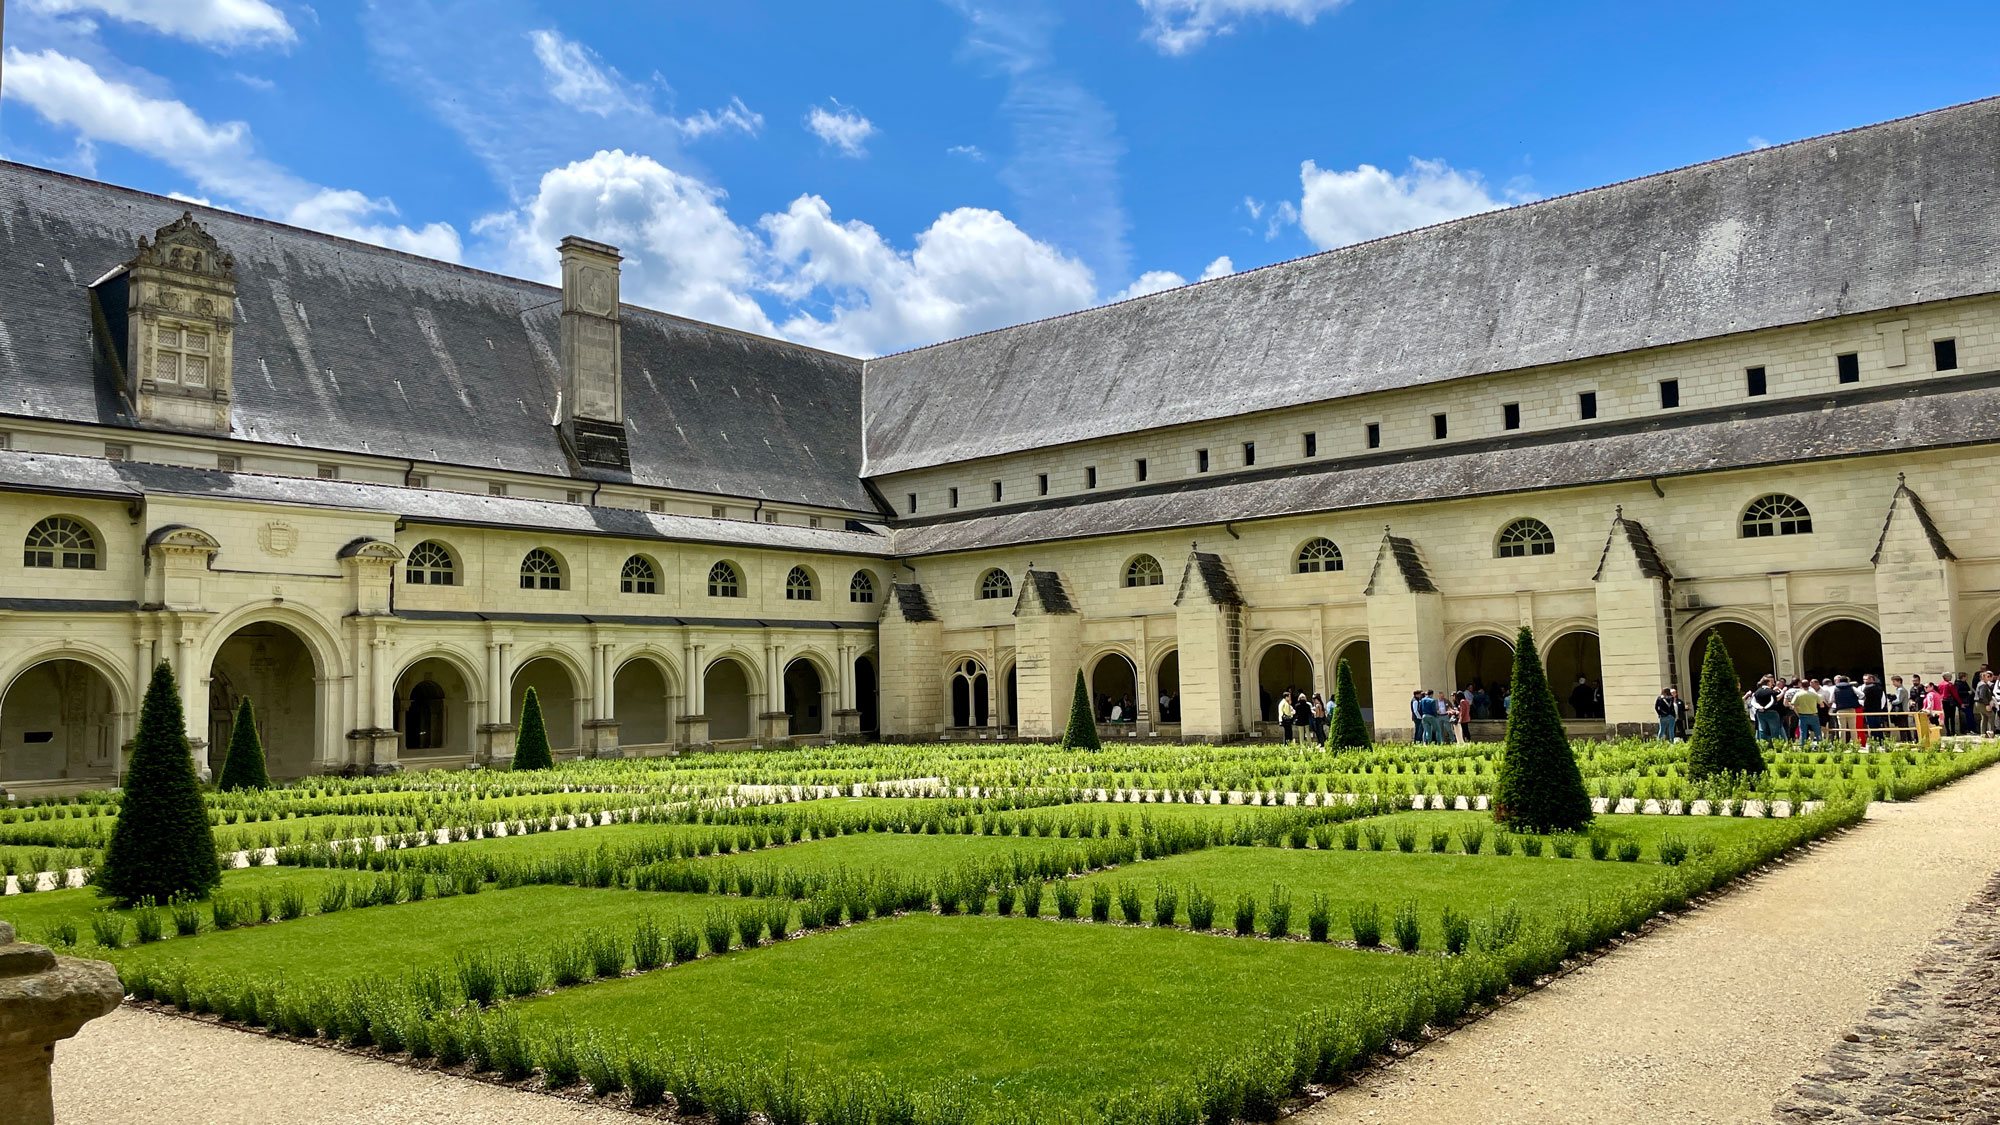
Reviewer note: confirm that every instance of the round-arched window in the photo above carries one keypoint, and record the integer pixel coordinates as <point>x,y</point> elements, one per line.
<point>1776,514</point>
<point>638,576</point>
<point>995,584</point>
<point>1144,571</point>
<point>1319,555</point>
<point>540,571</point>
<point>62,543</point>
<point>430,564</point>
<point>862,587</point>
<point>1525,537</point>
<point>724,581</point>
<point>799,585</point>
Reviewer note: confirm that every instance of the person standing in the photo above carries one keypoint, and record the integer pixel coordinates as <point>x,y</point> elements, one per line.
<point>1319,719</point>
<point>1804,701</point>
<point>1874,708</point>
<point>1288,714</point>
<point>1464,702</point>
<point>1847,710</point>
<point>1968,719</point>
<point>1668,714</point>
<point>1764,711</point>
<point>1984,703</point>
<point>1579,699</point>
<point>1417,717</point>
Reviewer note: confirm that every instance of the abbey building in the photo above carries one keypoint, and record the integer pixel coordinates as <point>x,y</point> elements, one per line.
<point>383,496</point>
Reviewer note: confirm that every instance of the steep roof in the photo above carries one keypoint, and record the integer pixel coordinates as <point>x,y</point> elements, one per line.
<point>346,346</point>
<point>1885,215</point>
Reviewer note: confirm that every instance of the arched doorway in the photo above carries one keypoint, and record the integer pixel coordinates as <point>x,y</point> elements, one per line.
<point>1283,666</point>
<point>556,691</point>
<point>970,706</point>
<point>641,703</point>
<point>865,699</point>
<point>804,702</point>
<point>58,721</point>
<point>1752,655</point>
<point>1114,684</point>
<point>1993,645</point>
<point>1844,647</point>
<point>434,709</point>
<point>1357,655</point>
<point>1571,657</point>
<point>1167,688</point>
<point>1009,700</point>
<point>726,695</point>
<point>1482,661</point>
<point>268,663</point>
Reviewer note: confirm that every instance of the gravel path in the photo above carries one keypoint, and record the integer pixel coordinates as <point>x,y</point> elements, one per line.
<point>1714,1017</point>
<point>138,1068</point>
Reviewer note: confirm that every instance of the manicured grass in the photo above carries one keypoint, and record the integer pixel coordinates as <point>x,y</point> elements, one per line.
<point>1127,811</point>
<point>907,856</point>
<point>33,914</point>
<point>1028,1012</point>
<point>1472,885</point>
<point>1648,831</point>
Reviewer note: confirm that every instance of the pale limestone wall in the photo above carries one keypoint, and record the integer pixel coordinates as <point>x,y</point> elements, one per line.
<point>1799,363</point>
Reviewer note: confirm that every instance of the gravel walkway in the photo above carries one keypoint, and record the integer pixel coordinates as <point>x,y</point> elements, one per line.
<point>1714,1017</point>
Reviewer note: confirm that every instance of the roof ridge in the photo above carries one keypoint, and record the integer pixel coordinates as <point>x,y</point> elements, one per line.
<point>1475,217</point>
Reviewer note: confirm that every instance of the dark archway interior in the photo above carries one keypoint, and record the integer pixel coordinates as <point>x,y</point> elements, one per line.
<point>1167,689</point>
<point>268,663</point>
<point>1357,656</point>
<point>1847,648</point>
<point>57,721</point>
<point>726,693</point>
<point>1572,656</point>
<point>970,695</point>
<point>1483,661</point>
<point>555,691</point>
<point>1284,666</point>
<point>803,709</point>
<point>639,703</point>
<point>865,700</point>
<point>1114,684</point>
<point>432,712</point>
<point>1748,650</point>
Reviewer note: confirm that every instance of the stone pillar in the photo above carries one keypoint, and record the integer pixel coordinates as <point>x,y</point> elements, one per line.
<point>600,730</point>
<point>1406,649</point>
<point>910,678</point>
<point>1048,649</point>
<point>194,693</point>
<point>1634,628</point>
<point>496,736</point>
<point>694,724</point>
<point>1916,593</point>
<point>1208,612</point>
<point>1142,679</point>
<point>43,999</point>
<point>846,716</point>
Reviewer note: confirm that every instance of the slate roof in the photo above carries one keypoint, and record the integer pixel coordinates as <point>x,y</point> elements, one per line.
<point>346,346</point>
<point>1212,573</point>
<point>1644,552</point>
<point>1409,564</point>
<point>1885,215</point>
<point>1048,587</point>
<point>1939,413</point>
<point>61,474</point>
<point>1932,535</point>
<point>911,601</point>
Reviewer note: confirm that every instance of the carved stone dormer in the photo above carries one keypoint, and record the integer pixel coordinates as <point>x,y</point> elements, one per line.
<point>593,414</point>
<point>180,321</point>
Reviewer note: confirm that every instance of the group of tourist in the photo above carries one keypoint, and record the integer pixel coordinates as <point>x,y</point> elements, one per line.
<point>1809,709</point>
<point>1302,717</point>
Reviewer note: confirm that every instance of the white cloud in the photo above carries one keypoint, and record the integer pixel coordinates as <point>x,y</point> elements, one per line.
<point>1221,267</point>
<point>1339,208</point>
<point>213,23</point>
<point>1156,281</point>
<point>970,152</point>
<point>576,79</point>
<point>1759,142</point>
<point>221,157</point>
<point>735,115</point>
<point>1177,27</point>
<point>840,127</point>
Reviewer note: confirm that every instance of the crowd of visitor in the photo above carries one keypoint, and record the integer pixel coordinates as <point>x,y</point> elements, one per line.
<point>1807,709</point>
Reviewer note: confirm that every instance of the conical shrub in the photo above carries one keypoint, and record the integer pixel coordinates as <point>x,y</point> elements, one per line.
<point>1350,730</point>
<point>531,738</point>
<point>1081,734</point>
<point>1540,788</point>
<point>162,845</point>
<point>1723,740</point>
<point>244,766</point>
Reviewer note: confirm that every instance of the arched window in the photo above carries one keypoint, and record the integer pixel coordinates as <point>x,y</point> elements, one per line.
<point>724,582</point>
<point>862,588</point>
<point>62,542</point>
<point>639,577</point>
<point>1144,571</point>
<point>1526,537</point>
<point>540,571</point>
<point>995,584</point>
<point>970,693</point>
<point>430,564</point>
<point>799,585</point>
<point>1319,555</point>
<point>1776,514</point>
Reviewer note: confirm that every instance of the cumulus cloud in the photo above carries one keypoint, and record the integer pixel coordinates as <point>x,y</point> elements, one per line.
<point>221,157</point>
<point>212,23</point>
<point>841,128</point>
<point>1178,27</point>
<point>1339,208</point>
<point>1157,281</point>
<point>970,152</point>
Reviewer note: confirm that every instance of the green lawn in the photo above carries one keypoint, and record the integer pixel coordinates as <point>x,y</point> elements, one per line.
<point>1030,1011</point>
<point>1647,830</point>
<point>33,914</point>
<point>905,855</point>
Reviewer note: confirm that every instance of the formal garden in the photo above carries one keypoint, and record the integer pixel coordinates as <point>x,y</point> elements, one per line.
<point>940,933</point>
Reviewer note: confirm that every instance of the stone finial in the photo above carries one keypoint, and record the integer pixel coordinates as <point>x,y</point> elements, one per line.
<point>43,998</point>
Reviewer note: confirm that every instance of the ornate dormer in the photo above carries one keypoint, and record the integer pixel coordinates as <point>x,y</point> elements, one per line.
<point>179,314</point>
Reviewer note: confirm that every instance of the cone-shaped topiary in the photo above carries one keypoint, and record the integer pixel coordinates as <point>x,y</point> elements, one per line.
<point>243,768</point>
<point>1723,741</point>
<point>1540,789</point>
<point>1350,730</point>
<point>162,845</point>
<point>1081,734</point>
<point>531,739</point>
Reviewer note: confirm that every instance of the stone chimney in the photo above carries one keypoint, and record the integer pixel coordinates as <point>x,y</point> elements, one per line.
<point>593,415</point>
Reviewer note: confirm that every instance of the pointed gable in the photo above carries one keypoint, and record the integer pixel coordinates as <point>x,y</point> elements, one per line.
<point>1208,576</point>
<point>1912,528</point>
<point>1629,553</point>
<point>1399,568</point>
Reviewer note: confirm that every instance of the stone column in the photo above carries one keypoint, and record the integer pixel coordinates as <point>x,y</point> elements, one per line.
<point>1209,621</point>
<point>496,735</point>
<point>695,722</point>
<point>846,717</point>
<point>43,999</point>
<point>1405,633</point>
<point>1048,650</point>
<point>1634,629</point>
<point>600,730</point>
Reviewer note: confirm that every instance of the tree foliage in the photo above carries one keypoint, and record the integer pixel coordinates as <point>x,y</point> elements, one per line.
<point>244,767</point>
<point>1723,740</point>
<point>1540,788</point>
<point>162,846</point>
<point>1350,730</point>
<point>531,738</point>
<point>1081,734</point>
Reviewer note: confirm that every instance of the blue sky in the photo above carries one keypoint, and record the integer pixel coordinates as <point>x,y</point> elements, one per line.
<point>873,177</point>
